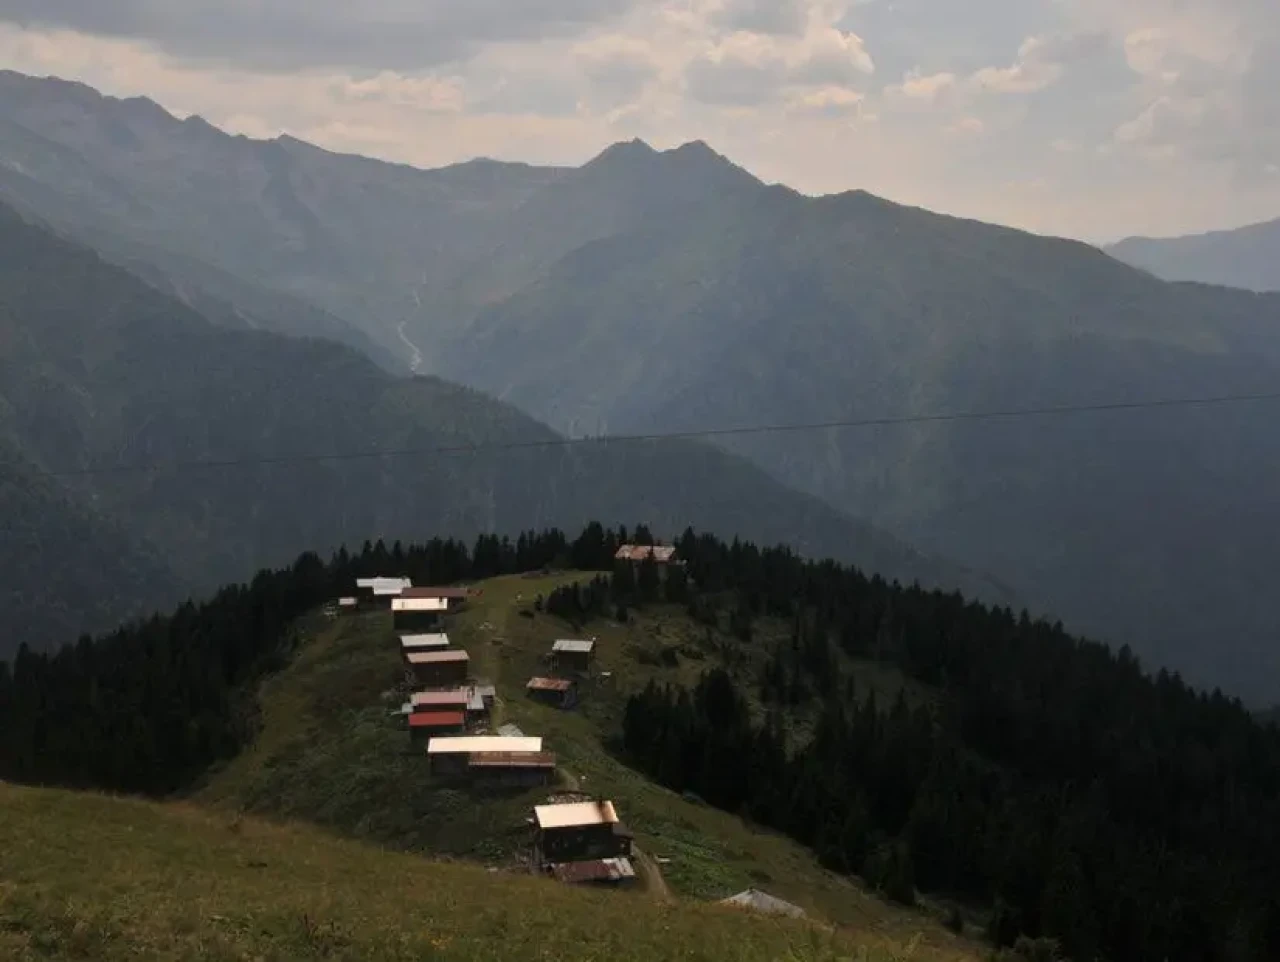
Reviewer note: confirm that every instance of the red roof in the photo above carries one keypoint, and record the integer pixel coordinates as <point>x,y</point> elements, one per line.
<point>437,719</point>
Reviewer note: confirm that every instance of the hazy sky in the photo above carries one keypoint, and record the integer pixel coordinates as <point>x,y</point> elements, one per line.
<point>1093,118</point>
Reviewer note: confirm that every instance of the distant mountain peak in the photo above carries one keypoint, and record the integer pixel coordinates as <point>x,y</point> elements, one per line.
<point>695,157</point>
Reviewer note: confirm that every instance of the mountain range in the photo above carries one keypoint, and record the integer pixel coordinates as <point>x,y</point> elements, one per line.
<point>670,291</point>
<point>1247,257</point>
<point>114,398</point>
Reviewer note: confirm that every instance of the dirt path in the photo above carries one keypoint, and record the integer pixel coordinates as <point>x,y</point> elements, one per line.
<point>651,875</point>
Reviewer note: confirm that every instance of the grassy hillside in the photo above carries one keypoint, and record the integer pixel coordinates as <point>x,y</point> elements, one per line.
<point>331,752</point>
<point>85,876</point>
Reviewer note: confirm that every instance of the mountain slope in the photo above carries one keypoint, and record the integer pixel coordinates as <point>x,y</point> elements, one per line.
<point>367,241</point>
<point>1152,527</point>
<point>101,374</point>
<point>1248,257</point>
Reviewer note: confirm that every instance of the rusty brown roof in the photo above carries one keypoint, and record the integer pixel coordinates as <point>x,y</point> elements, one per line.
<point>548,684</point>
<point>600,870</point>
<point>512,760</point>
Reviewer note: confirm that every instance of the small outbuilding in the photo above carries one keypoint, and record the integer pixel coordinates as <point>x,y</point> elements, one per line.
<point>573,656</point>
<point>379,591</point>
<point>436,641</point>
<point>444,699</point>
<point>439,669</point>
<point>579,831</point>
<point>613,872</point>
<point>556,692</point>
<point>763,902</point>
<point>417,615</point>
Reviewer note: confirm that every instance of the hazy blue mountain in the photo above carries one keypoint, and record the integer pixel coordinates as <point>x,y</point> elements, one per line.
<point>1247,257</point>
<point>101,373</point>
<point>1154,527</point>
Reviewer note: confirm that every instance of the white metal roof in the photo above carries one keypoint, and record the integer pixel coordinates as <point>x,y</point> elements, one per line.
<point>465,744</point>
<point>575,814</point>
<point>437,640</point>
<point>419,604</point>
<point>437,657</point>
<point>399,584</point>
<point>579,647</point>
<point>763,902</point>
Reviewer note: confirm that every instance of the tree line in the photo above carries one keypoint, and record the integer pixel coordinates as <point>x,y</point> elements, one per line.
<point>149,707</point>
<point>1050,779</point>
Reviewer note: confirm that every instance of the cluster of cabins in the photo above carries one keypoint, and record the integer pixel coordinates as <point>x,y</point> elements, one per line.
<point>574,840</point>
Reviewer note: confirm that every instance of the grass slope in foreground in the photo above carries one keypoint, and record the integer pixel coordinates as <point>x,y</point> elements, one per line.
<point>331,752</point>
<point>84,876</point>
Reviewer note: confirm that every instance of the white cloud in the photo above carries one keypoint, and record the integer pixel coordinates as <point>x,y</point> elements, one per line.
<point>1041,62</point>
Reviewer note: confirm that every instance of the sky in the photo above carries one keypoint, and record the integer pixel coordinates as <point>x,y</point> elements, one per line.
<point>1095,119</point>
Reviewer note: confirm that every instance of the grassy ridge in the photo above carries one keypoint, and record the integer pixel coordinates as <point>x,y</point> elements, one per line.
<point>89,877</point>
<point>330,752</point>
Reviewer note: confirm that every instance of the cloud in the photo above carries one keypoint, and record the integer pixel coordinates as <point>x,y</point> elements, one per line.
<point>284,35</point>
<point>919,87</point>
<point>747,69</point>
<point>617,68</point>
<point>769,17</point>
<point>827,102</point>
<point>1041,62</point>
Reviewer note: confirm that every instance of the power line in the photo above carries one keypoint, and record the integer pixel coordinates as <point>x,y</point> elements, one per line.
<point>671,436</point>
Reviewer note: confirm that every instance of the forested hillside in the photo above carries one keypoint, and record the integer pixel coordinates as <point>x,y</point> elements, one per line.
<point>1042,777</point>
<point>114,399</point>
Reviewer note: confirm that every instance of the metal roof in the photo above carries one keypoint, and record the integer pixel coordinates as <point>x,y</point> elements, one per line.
<point>512,760</point>
<point>466,744</point>
<point>763,902</point>
<point>453,594</point>
<point>638,552</point>
<point>347,602</point>
<point>577,647</point>
<point>457,696</point>
<point>600,870</point>
<point>436,719</point>
<point>575,815</point>
<point>437,657</point>
<point>418,604</point>
<point>437,640</point>
<point>381,582</point>
<point>487,692</point>
<point>548,684</point>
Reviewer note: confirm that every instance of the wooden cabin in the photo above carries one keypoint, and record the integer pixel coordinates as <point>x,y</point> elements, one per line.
<point>379,591</point>
<point>454,598</point>
<point>579,832</point>
<point>452,755</point>
<point>439,669</point>
<point>556,692</point>
<point>425,725</point>
<point>418,615</point>
<point>411,644</point>
<point>512,769</point>
<point>573,656</point>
